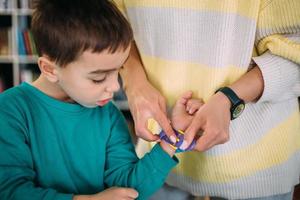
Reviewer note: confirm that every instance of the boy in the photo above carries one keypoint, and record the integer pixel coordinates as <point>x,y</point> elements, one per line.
<point>61,138</point>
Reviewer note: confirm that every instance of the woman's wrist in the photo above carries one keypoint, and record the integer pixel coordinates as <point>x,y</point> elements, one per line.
<point>221,98</point>
<point>250,86</point>
<point>131,86</point>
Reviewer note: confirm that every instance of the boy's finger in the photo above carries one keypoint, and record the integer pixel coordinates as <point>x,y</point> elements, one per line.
<point>131,193</point>
<point>187,95</point>
<point>194,108</point>
<point>183,99</point>
<point>194,103</point>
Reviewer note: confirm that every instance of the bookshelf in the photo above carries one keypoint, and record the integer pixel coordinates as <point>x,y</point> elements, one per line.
<point>16,61</point>
<point>18,56</point>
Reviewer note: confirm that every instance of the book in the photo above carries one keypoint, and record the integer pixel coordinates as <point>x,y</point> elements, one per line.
<point>5,41</point>
<point>21,45</point>
<point>27,42</point>
<point>25,4</point>
<point>32,43</point>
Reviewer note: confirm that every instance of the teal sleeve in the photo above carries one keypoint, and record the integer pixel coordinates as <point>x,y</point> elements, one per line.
<point>17,175</point>
<point>124,169</point>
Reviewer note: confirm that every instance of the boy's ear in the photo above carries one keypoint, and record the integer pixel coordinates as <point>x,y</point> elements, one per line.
<point>48,69</point>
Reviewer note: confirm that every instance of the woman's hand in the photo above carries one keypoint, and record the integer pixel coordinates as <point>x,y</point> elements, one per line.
<point>146,102</point>
<point>212,119</point>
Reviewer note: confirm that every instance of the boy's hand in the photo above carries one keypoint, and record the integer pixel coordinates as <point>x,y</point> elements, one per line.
<point>184,110</point>
<point>113,193</point>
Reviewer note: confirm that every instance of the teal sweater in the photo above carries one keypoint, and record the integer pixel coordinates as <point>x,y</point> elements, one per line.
<point>52,150</point>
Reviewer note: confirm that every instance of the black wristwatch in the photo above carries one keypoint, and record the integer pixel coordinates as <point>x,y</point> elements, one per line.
<point>237,104</point>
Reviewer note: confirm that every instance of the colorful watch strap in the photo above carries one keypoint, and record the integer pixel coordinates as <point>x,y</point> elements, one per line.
<point>180,138</point>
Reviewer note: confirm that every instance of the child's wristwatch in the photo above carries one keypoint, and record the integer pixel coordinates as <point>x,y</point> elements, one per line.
<point>179,140</point>
<point>155,128</point>
<point>237,104</point>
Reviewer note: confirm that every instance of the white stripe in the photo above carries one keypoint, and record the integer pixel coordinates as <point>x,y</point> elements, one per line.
<point>277,180</point>
<point>257,120</point>
<point>209,38</point>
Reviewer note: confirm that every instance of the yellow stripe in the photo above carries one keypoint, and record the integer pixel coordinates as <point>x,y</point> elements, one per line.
<point>121,6</point>
<point>165,75</point>
<point>247,8</point>
<point>281,46</point>
<point>280,13</point>
<point>282,141</point>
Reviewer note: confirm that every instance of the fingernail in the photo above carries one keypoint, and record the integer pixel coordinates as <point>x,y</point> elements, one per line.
<point>136,195</point>
<point>173,139</point>
<point>184,145</point>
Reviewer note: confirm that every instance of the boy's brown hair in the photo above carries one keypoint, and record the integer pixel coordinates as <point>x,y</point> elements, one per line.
<point>64,29</point>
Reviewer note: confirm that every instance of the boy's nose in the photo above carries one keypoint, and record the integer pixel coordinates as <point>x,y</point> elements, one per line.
<point>114,85</point>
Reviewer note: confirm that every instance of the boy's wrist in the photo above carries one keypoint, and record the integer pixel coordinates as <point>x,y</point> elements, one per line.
<point>82,197</point>
<point>167,148</point>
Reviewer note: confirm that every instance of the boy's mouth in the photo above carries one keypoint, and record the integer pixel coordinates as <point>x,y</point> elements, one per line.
<point>103,102</point>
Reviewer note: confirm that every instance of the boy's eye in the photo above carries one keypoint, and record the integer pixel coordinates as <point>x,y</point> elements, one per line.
<point>98,81</point>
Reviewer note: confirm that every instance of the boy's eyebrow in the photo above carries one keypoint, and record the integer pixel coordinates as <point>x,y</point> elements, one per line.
<point>99,71</point>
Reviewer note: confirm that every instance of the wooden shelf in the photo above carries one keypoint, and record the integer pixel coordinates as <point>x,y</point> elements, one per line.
<point>24,11</point>
<point>6,59</point>
<point>7,12</point>
<point>28,59</point>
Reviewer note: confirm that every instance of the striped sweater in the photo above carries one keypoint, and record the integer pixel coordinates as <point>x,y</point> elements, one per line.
<point>201,45</point>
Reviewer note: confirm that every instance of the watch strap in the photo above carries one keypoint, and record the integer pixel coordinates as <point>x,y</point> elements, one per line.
<point>233,98</point>
<point>237,104</point>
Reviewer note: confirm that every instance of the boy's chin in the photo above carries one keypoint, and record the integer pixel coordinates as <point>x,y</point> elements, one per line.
<point>91,105</point>
<point>88,105</point>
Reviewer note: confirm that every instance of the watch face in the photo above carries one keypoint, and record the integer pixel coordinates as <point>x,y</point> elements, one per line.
<point>238,110</point>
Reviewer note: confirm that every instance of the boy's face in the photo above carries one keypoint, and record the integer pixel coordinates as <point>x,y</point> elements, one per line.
<point>92,79</point>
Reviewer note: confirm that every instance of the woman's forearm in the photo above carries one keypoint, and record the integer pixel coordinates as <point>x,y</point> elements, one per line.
<point>250,86</point>
<point>133,70</point>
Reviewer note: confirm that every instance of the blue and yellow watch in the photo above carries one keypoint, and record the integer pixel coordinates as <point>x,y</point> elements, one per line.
<point>155,128</point>
<point>237,104</point>
<point>179,140</point>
